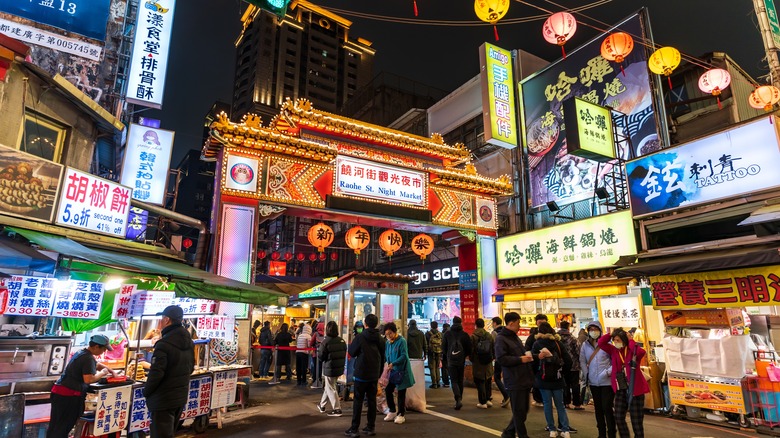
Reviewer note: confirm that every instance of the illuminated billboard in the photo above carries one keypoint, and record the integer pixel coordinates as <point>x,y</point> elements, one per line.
<point>84,17</point>
<point>147,161</point>
<point>498,96</point>
<point>149,63</point>
<point>590,130</point>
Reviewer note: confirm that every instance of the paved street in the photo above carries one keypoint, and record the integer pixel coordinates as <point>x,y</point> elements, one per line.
<point>286,410</point>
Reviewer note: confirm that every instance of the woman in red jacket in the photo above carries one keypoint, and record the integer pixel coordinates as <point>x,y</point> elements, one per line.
<point>626,376</point>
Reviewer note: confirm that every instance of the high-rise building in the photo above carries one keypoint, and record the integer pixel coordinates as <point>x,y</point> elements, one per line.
<point>308,53</point>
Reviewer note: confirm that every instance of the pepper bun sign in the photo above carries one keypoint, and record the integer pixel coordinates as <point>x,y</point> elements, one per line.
<point>591,136</point>
<point>587,244</point>
<point>93,204</point>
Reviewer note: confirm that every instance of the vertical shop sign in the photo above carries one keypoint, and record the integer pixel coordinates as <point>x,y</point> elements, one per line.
<point>78,299</point>
<point>123,301</point>
<point>498,96</point>
<point>217,327</point>
<point>774,22</point>
<point>224,392</point>
<point>136,223</point>
<point>469,308</point>
<point>146,163</point>
<point>31,296</point>
<point>199,398</point>
<point>93,204</point>
<point>140,415</point>
<point>113,409</point>
<point>146,81</point>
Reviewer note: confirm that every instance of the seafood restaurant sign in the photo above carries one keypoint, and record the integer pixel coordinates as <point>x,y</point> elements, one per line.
<point>741,160</point>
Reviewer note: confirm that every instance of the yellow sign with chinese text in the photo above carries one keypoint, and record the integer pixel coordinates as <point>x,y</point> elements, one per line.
<point>498,96</point>
<point>733,288</point>
<point>701,394</point>
<point>593,137</point>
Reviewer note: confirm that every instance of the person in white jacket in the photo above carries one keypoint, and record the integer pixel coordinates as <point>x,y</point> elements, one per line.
<point>302,354</point>
<point>596,366</point>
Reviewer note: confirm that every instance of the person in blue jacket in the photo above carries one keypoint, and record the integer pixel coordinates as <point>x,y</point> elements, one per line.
<point>596,366</point>
<point>397,357</point>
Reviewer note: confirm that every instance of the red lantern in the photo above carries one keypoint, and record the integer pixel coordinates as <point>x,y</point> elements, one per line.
<point>616,47</point>
<point>323,257</point>
<point>320,236</point>
<point>288,256</point>
<point>422,245</point>
<point>301,256</point>
<point>714,81</point>
<point>559,28</point>
<point>261,254</point>
<point>275,255</point>
<point>186,243</point>
<point>390,241</point>
<point>334,256</point>
<point>312,257</point>
<point>357,239</point>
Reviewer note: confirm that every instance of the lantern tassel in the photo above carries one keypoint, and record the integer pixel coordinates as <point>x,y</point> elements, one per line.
<point>669,78</point>
<point>415,8</point>
<point>495,32</point>
<point>563,52</point>
<point>621,69</point>
<point>719,105</point>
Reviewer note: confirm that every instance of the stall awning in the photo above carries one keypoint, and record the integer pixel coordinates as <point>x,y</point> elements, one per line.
<point>287,284</point>
<point>703,261</point>
<point>15,255</point>
<point>189,282</point>
<point>560,291</point>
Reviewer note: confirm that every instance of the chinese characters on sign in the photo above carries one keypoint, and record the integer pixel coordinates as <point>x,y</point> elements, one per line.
<point>469,308</point>
<point>498,96</point>
<point>224,392</point>
<point>704,170</point>
<point>29,295</point>
<point>620,312</point>
<point>591,243</point>
<point>93,204</point>
<point>733,288</point>
<point>195,305</point>
<point>216,327</point>
<point>31,35</point>
<point>78,299</point>
<point>136,224</point>
<point>123,301</point>
<point>84,17</point>
<point>366,179</point>
<point>590,130</point>
<point>140,415</point>
<point>149,62</point>
<point>147,158</point>
<point>148,302</point>
<point>199,398</point>
<point>113,409</point>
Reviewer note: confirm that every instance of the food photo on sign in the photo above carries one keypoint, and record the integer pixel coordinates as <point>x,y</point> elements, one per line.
<point>28,185</point>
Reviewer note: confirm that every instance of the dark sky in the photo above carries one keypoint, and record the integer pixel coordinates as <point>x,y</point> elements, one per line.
<point>202,54</point>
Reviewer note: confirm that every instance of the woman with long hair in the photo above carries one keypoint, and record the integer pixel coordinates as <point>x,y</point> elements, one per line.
<point>283,339</point>
<point>332,353</point>
<point>397,357</point>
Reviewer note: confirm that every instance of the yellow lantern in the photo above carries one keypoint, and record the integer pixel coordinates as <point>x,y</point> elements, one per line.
<point>490,11</point>
<point>422,245</point>
<point>764,97</point>
<point>390,241</point>
<point>357,238</point>
<point>616,47</point>
<point>320,236</point>
<point>663,61</point>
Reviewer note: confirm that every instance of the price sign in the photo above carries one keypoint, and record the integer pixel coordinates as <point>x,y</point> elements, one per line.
<point>224,392</point>
<point>140,416</point>
<point>33,296</point>
<point>93,204</point>
<point>199,398</point>
<point>217,327</point>
<point>79,299</point>
<point>195,305</point>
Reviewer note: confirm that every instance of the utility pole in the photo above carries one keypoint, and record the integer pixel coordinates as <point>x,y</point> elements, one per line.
<point>769,25</point>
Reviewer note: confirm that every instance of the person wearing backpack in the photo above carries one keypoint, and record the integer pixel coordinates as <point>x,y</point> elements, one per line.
<point>529,345</point>
<point>549,377</point>
<point>456,346</point>
<point>483,346</point>
<point>572,397</point>
<point>434,340</point>
<point>596,368</point>
<point>416,341</point>
<point>332,352</point>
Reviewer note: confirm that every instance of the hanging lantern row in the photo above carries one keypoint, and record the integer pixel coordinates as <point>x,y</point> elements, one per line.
<point>490,11</point>
<point>390,241</point>
<point>320,236</point>
<point>357,239</point>
<point>422,245</point>
<point>262,254</point>
<point>559,28</point>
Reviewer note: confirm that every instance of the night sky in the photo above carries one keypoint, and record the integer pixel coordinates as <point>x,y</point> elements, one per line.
<point>203,52</point>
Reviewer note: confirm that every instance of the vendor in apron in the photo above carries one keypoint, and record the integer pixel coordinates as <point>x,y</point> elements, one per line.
<point>68,394</point>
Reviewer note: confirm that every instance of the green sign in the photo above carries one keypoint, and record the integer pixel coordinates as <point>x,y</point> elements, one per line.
<point>774,23</point>
<point>498,96</point>
<point>278,7</point>
<point>316,291</point>
<point>592,138</point>
<point>592,243</point>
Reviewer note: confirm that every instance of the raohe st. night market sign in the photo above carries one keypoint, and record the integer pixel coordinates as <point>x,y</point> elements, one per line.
<point>733,288</point>
<point>587,244</point>
<point>367,179</point>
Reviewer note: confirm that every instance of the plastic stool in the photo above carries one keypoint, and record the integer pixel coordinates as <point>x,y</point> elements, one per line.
<point>241,387</point>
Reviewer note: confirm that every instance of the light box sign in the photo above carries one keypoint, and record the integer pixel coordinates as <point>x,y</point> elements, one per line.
<point>93,204</point>
<point>33,35</point>
<point>555,175</point>
<point>316,291</point>
<point>147,161</point>
<point>136,224</point>
<point>741,160</point>
<point>498,96</point>
<point>733,288</point>
<point>593,137</point>
<point>434,274</point>
<point>587,244</point>
<point>366,179</point>
<point>28,296</point>
<point>241,173</point>
<point>79,299</point>
<point>620,312</point>
<point>84,17</point>
<point>146,81</point>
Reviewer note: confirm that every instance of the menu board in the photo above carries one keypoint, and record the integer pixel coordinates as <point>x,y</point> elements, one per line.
<point>199,398</point>
<point>79,299</point>
<point>31,296</point>
<point>224,393</point>
<point>113,407</point>
<point>217,327</point>
<point>195,305</point>
<point>709,395</point>
<point>140,416</point>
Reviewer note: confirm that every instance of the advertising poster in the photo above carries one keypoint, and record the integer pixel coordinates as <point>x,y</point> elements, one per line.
<point>554,174</point>
<point>708,395</point>
<point>147,161</point>
<point>29,185</point>
<point>199,398</point>
<point>93,204</point>
<point>113,410</point>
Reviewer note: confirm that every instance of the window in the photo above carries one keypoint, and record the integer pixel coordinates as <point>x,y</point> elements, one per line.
<point>42,137</point>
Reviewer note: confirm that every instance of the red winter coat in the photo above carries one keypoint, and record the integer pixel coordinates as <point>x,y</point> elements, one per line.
<point>618,362</point>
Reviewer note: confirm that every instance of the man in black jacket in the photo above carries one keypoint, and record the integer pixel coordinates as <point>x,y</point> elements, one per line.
<point>368,351</point>
<point>497,328</point>
<point>456,345</point>
<point>168,381</point>
<point>529,344</point>
<point>515,363</point>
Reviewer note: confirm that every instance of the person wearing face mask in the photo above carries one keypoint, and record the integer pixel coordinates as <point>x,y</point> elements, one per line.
<point>596,366</point>
<point>627,380</point>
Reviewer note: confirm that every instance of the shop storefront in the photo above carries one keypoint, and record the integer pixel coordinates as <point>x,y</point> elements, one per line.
<point>434,294</point>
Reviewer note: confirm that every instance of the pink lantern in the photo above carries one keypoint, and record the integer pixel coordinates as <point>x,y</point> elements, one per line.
<point>714,81</point>
<point>559,28</point>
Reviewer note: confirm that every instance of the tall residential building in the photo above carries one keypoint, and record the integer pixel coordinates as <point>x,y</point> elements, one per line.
<point>308,53</point>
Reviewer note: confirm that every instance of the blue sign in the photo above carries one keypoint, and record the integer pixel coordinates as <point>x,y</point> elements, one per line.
<point>468,280</point>
<point>84,17</point>
<point>730,163</point>
<point>136,223</point>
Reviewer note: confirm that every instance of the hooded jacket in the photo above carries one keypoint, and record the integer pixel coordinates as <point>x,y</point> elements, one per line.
<point>478,369</point>
<point>368,349</point>
<point>416,342</point>
<point>333,354</point>
<point>448,346</point>
<point>168,382</point>
<point>266,337</point>
<point>517,374</point>
<point>304,339</point>
<point>622,360</point>
<point>397,354</point>
<point>568,341</point>
<point>597,373</point>
<point>553,344</point>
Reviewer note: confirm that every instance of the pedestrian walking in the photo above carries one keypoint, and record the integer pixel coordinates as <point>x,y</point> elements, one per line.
<point>301,353</point>
<point>572,397</point>
<point>434,339</point>
<point>70,390</point>
<point>168,381</point>
<point>368,349</point>
<point>596,365</point>
<point>515,363</point>
<point>416,341</point>
<point>483,348</point>
<point>549,378</point>
<point>529,344</point>
<point>397,358</point>
<point>283,339</point>
<point>317,337</point>
<point>456,346</point>
<point>497,328</point>
<point>445,373</point>
<point>332,353</point>
<point>265,338</point>
<point>627,381</point>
